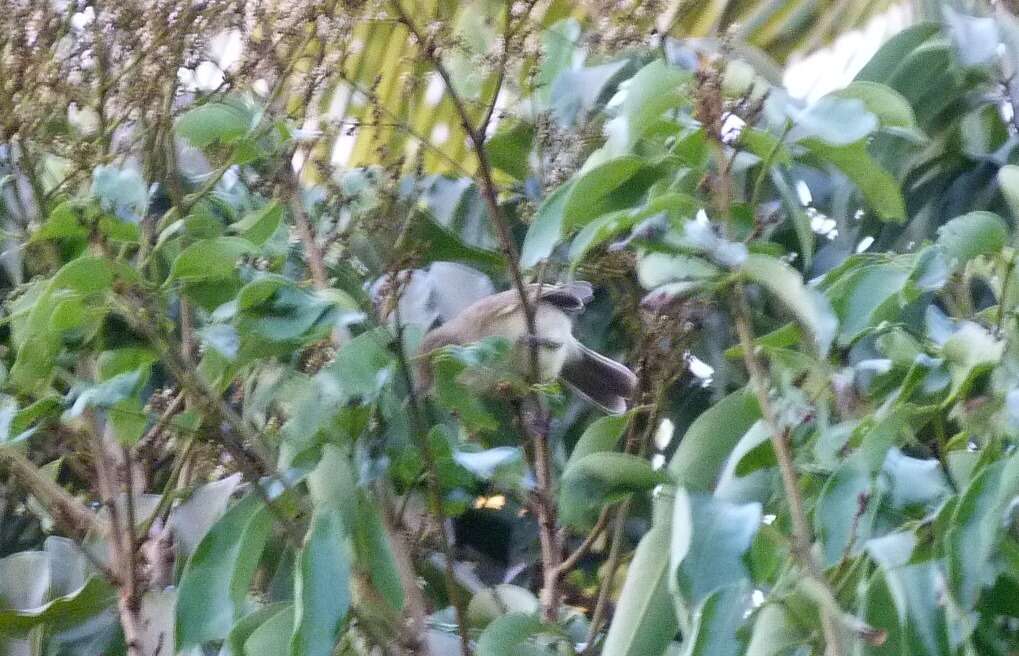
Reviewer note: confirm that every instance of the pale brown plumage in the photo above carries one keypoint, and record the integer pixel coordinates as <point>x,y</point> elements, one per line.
<point>605,382</point>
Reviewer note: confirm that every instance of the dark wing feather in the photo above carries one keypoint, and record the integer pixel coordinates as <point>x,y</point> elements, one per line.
<point>569,297</point>
<point>602,380</point>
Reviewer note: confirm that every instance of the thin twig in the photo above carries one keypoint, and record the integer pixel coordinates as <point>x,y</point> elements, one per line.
<point>132,593</point>
<point>801,544</point>
<point>305,232</point>
<point>121,556</point>
<point>584,547</point>
<point>547,533</point>
<point>615,554</point>
<point>72,516</point>
<point>433,486</point>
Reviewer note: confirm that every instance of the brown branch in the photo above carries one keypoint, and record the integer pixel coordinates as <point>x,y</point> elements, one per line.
<point>251,461</point>
<point>120,544</point>
<point>615,556</point>
<point>802,540</point>
<point>72,516</point>
<point>413,634</point>
<point>312,253</point>
<point>584,547</point>
<point>550,592</point>
<point>433,485</point>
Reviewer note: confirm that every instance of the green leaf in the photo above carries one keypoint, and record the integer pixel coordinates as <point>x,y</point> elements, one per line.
<point>612,185</point>
<point>192,519</point>
<point>510,635</point>
<point>890,107</point>
<point>333,483</point>
<point>748,473</point>
<point>970,351</point>
<point>928,77</point>
<point>842,513</point>
<point>64,222</point>
<point>644,621</point>
<point>833,121</point>
<point>109,393</point>
<point>121,192</point>
<point>212,122</point>
<point>322,594</point>
<point>709,540</point>
<point>547,228</point>
<point>94,597</point>
<point>258,226</point>
<point>655,269</point>
<point>599,478</point>
<point>707,443</point>
<point>576,92</point>
<point>488,604</point>
<point>775,632</point>
<point>878,187</point>
<point>717,621</point>
<point>970,235</point>
<point>242,630</point>
<point>865,297</point>
<point>890,56</point>
<point>82,277</point>
<point>879,610</point>
<point>809,306</point>
<point>669,205</point>
<point>601,435</point>
<point>374,554</point>
<point>509,149</point>
<point>272,638</point>
<point>215,581</point>
<point>976,530</point>
<point>438,243</point>
<point>654,89</point>
<point>764,144</point>
<point>210,259</point>
<point>914,588</point>
<point>877,437</point>
<point>122,360</point>
<point>560,50</point>
<point>1008,182</point>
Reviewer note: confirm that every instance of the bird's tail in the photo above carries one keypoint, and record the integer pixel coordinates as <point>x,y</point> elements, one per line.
<point>603,381</point>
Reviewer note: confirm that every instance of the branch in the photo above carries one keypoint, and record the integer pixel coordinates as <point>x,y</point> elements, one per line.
<point>433,486</point>
<point>121,543</point>
<point>313,254</point>
<point>802,540</point>
<point>542,465</point>
<point>254,464</point>
<point>68,513</point>
<point>585,547</point>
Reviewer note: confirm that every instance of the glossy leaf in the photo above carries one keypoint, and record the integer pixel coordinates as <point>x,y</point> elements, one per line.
<point>970,235</point>
<point>706,445</point>
<point>809,307</point>
<point>601,435</point>
<point>509,635</point>
<point>546,229</point>
<point>709,540</point>
<point>210,259</point>
<point>321,595</point>
<point>213,122</point>
<point>878,187</point>
<point>644,621</point>
<point>599,478</point>
<point>215,581</point>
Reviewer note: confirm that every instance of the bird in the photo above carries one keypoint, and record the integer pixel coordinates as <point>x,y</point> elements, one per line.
<point>602,381</point>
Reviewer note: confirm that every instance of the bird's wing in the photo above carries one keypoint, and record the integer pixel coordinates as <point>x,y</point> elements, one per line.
<point>603,381</point>
<point>569,297</point>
